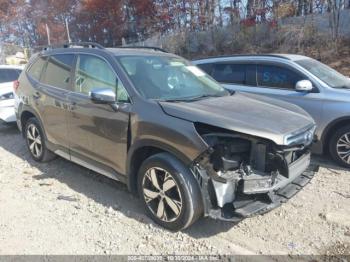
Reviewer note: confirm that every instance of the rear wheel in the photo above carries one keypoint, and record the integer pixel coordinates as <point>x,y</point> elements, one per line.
<point>35,141</point>
<point>339,146</point>
<point>169,192</point>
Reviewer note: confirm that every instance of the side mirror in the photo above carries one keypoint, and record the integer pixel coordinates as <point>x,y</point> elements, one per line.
<point>102,96</point>
<point>303,86</point>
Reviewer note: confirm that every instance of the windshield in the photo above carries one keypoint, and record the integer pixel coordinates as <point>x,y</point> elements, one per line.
<point>328,75</point>
<point>169,78</point>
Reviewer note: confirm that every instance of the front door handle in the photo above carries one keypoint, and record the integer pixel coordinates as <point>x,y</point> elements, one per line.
<point>72,106</point>
<point>36,95</point>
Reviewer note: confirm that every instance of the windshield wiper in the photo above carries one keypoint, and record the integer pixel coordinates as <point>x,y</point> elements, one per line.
<point>190,99</point>
<point>175,100</point>
<point>195,98</point>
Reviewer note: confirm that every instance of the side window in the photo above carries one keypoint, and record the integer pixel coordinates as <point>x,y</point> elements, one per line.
<point>37,67</point>
<point>277,77</point>
<point>122,94</point>
<point>208,68</point>
<point>9,75</point>
<point>58,71</point>
<point>93,72</point>
<point>243,74</point>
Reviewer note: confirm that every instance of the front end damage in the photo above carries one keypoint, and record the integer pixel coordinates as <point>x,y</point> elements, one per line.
<point>241,175</point>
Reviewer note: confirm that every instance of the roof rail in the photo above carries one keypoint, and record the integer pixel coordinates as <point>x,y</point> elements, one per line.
<point>71,44</point>
<point>244,55</point>
<point>84,44</point>
<point>145,47</point>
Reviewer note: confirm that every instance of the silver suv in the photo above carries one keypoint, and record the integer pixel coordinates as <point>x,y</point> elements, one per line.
<point>317,88</point>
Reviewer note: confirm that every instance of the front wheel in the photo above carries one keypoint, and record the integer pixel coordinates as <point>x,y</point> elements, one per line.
<point>169,192</point>
<point>339,146</point>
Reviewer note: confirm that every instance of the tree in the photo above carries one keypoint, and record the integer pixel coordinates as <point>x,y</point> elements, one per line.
<point>335,7</point>
<point>53,14</point>
<point>143,16</point>
<point>100,21</point>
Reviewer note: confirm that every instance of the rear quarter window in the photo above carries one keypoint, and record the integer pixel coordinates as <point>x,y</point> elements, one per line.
<point>58,71</point>
<point>37,67</point>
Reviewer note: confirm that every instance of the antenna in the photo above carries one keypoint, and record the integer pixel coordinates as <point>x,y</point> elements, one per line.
<point>48,34</point>
<point>67,28</point>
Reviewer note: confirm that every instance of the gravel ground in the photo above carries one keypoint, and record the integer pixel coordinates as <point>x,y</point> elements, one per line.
<point>61,208</point>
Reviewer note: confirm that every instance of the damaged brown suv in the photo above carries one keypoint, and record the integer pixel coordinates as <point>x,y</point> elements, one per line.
<point>178,139</point>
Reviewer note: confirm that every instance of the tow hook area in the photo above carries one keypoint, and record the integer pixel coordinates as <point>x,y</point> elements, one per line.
<point>241,176</point>
<point>223,201</point>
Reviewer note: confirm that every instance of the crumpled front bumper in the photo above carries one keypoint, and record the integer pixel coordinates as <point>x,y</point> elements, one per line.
<point>244,207</point>
<point>228,205</point>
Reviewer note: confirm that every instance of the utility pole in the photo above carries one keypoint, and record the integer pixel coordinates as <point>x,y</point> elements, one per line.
<point>68,34</point>
<point>48,34</point>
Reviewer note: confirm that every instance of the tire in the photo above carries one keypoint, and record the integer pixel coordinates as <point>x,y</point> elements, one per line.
<point>34,134</point>
<point>339,146</point>
<point>182,200</point>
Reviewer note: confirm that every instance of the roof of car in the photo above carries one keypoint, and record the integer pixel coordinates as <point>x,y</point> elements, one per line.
<point>136,51</point>
<point>91,47</point>
<point>291,57</point>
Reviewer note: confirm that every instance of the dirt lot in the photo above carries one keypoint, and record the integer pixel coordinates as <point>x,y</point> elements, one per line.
<point>61,208</point>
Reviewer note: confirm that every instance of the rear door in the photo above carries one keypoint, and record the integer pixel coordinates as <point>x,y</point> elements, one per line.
<point>52,102</point>
<point>98,132</point>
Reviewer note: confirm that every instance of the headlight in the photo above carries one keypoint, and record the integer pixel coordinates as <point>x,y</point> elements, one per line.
<point>302,138</point>
<point>7,96</point>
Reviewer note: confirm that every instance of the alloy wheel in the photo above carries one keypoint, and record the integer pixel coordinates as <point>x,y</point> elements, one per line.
<point>343,148</point>
<point>34,140</point>
<point>162,194</point>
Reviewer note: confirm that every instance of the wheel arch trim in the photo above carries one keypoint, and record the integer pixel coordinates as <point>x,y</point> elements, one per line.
<point>25,108</point>
<point>326,133</point>
<point>131,171</point>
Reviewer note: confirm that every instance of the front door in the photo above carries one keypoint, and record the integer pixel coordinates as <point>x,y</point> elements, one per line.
<point>98,132</point>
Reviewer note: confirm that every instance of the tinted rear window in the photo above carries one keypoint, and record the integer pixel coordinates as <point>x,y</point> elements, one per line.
<point>37,67</point>
<point>208,68</point>
<point>9,75</point>
<point>58,71</point>
<point>243,74</point>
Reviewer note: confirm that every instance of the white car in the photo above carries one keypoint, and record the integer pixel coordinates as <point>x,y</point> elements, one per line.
<point>8,75</point>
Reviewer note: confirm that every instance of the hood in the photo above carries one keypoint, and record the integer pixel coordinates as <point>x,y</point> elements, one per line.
<point>245,113</point>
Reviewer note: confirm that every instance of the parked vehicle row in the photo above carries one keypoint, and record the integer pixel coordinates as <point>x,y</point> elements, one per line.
<point>318,89</point>
<point>8,77</point>
<point>184,144</point>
